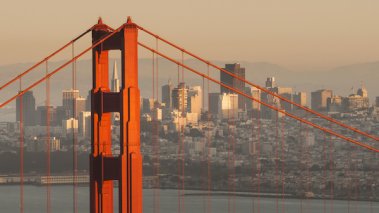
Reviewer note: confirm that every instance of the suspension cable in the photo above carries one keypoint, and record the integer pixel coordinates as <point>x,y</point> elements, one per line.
<point>100,41</point>
<point>45,59</point>
<point>263,103</point>
<point>261,88</point>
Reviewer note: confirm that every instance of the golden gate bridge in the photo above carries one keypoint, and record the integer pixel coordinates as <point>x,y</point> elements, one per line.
<point>126,167</point>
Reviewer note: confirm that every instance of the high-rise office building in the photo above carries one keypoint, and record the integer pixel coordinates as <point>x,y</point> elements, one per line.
<point>167,93</point>
<point>270,82</point>
<point>377,101</point>
<point>179,98</point>
<point>214,99</point>
<point>60,115</point>
<point>68,97</point>
<point>88,101</point>
<point>41,115</point>
<point>80,105</point>
<point>235,69</point>
<point>70,126</point>
<point>147,105</point>
<point>285,92</point>
<point>85,124</point>
<point>334,104</point>
<point>319,99</point>
<point>28,108</point>
<point>195,100</point>
<point>256,94</point>
<point>300,98</point>
<point>228,106</point>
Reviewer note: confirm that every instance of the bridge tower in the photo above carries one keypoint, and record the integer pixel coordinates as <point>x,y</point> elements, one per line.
<point>106,167</point>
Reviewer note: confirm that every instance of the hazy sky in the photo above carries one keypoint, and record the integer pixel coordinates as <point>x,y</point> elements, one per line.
<point>297,34</point>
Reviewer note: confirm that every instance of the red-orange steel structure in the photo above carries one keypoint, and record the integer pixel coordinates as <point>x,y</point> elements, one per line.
<point>105,167</point>
<point>126,167</point>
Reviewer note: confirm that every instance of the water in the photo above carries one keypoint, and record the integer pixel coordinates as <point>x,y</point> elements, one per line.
<point>61,201</point>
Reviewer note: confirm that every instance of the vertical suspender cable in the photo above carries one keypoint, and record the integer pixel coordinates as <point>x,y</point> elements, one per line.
<point>308,162</point>
<point>350,180</point>
<point>157,135</point>
<point>182,141</point>
<point>209,148</point>
<point>324,173</point>
<point>156,68</point>
<point>356,176</point>
<point>259,156</point>
<point>179,150</point>
<point>229,160</point>
<point>331,173</point>
<point>301,145</point>
<point>276,158</point>
<point>74,133</point>
<point>48,141</point>
<point>282,161</point>
<point>204,157</point>
<point>155,207</point>
<point>232,160</point>
<point>182,66</point>
<point>253,162</point>
<point>235,117</point>
<point>21,116</point>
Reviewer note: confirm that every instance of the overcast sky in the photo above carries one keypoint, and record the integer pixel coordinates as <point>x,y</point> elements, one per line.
<point>298,34</point>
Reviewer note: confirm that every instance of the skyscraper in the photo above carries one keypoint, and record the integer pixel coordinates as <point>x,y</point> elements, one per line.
<point>68,97</point>
<point>255,93</point>
<point>228,106</point>
<point>166,94</point>
<point>235,69</point>
<point>80,106</point>
<point>28,108</point>
<point>214,99</point>
<point>115,88</point>
<point>319,99</point>
<point>300,98</point>
<point>270,82</point>
<point>285,92</point>
<point>115,81</point>
<point>195,100</point>
<point>84,123</point>
<point>41,113</point>
<point>179,97</point>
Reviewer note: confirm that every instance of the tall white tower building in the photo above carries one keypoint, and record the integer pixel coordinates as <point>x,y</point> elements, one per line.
<point>115,84</point>
<point>115,81</point>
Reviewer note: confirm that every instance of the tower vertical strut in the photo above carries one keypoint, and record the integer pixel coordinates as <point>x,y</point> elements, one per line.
<point>105,166</point>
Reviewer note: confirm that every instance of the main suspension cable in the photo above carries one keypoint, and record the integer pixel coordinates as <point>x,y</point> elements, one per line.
<point>100,41</point>
<point>259,87</point>
<point>263,103</point>
<point>45,59</point>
